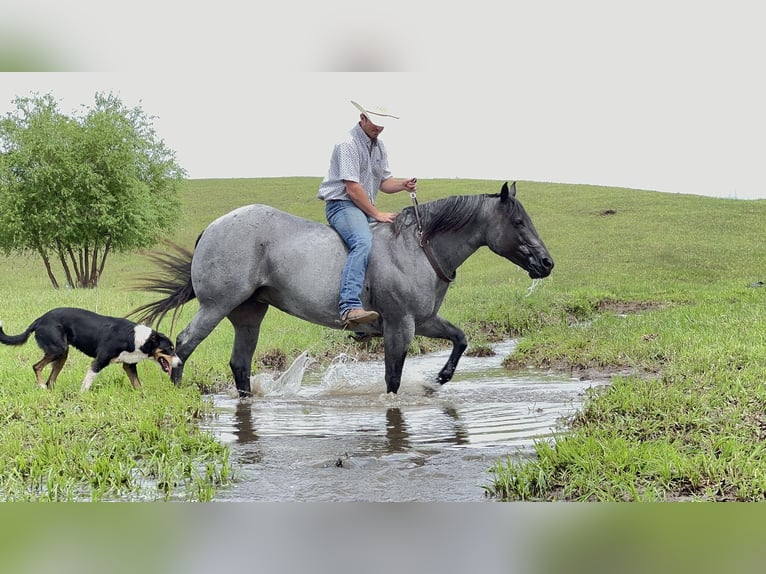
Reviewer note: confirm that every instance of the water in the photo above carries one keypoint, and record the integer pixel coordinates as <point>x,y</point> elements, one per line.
<point>533,287</point>
<point>339,437</point>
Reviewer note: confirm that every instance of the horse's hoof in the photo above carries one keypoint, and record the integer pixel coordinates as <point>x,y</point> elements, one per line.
<point>431,387</point>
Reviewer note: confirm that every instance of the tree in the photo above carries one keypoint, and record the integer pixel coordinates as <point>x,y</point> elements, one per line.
<point>75,189</point>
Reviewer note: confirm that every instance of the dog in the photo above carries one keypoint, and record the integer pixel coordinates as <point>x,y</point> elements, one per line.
<point>106,339</point>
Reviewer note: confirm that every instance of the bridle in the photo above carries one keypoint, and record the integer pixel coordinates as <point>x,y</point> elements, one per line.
<point>426,245</point>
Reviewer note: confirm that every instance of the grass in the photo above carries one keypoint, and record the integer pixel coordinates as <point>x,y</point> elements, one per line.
<point>688,422</point>
<point>116,444</point>
<point>650,288</point>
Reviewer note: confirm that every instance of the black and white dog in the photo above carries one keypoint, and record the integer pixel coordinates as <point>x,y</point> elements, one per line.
<point>106,339</point>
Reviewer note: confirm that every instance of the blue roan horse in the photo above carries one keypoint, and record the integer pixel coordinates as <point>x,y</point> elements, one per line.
<point>257,256</point>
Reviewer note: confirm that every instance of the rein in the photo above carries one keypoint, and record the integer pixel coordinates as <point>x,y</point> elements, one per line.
<point>426,245</point>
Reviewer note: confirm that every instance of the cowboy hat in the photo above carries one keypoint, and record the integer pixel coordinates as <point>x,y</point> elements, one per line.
<point>376,114</point>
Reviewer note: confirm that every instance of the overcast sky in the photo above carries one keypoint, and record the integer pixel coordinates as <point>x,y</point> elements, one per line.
<point>666,96</point>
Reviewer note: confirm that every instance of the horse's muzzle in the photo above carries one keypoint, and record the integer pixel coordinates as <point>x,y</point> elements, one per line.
<point>540,266</point>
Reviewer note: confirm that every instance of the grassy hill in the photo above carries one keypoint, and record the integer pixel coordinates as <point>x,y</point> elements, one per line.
<point>659,291</point>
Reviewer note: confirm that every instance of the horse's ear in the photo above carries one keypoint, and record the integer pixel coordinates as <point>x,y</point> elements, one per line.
<point>505,192</point>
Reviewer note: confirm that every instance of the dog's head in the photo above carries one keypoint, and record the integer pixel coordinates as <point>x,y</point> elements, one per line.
<point>160,348</point>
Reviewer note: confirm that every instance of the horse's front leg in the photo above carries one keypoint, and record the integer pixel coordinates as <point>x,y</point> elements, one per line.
<point>397,337</point>
<point>439,328</point>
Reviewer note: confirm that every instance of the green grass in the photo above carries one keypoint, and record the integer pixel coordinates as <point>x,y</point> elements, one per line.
<point>115,443</point>
<point>689,422</point>
<point>684,418</point>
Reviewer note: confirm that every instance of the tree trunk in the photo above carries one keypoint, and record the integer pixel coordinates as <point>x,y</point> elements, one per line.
<point>48,268</point>
<point>82,269</point>
<point>67,272</point>
<point>93,279</point>
<point>107,247</point>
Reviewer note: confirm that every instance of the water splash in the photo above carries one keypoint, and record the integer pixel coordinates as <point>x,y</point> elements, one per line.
<point>533,286</point>
<point>347,375</point>
<point>287,384</point>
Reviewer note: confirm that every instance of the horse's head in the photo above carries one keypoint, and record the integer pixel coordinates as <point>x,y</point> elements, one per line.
<point>512,235</point>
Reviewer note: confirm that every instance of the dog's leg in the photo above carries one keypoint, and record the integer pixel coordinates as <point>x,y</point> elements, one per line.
<point>38,369</point>
<point>88,380</point>
<point>132,371</point>
<point>95,368</point>
<point>58,364</point>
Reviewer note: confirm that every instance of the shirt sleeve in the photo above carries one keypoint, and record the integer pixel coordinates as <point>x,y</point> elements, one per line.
<point>349,161</point>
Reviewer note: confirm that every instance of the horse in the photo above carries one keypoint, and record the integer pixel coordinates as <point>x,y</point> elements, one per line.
<point>257,256</point>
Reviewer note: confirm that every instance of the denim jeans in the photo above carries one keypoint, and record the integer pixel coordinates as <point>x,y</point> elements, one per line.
<point>353,226</point>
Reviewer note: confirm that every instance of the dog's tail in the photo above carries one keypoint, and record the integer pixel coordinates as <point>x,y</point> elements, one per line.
<point>19,339</point>
<point>174,282</point>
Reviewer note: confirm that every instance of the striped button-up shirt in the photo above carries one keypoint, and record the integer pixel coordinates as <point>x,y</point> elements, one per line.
<point>356,158</point>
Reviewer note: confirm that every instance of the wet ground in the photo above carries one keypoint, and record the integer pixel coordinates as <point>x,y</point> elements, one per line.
<point>335,435</point>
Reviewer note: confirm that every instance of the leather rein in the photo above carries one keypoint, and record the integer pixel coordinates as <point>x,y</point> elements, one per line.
<point>426,245</point>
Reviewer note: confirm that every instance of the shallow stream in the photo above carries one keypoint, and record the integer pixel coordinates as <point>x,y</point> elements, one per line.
<point>335,435</point>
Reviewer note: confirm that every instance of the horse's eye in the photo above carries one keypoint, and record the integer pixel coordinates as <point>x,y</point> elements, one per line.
<point>518,222</point>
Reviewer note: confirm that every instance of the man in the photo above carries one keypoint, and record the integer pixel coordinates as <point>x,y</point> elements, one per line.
<point>358,170</point>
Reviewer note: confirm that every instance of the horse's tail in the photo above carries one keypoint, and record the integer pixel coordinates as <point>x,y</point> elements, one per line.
<point>174,282</point>
<point>19,339</point>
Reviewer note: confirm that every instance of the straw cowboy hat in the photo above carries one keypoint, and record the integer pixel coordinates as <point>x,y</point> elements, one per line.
<point>376,114</point>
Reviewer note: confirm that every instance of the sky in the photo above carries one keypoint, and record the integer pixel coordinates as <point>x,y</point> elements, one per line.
<point>666,96</point>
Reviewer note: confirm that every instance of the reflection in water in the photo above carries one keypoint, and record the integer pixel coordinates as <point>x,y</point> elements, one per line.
<point>461,435</point>
<point>245,434</point>
<point>398,436</point>
<point>243,427</point>
<point>396,431</point>
<point>337,436</point>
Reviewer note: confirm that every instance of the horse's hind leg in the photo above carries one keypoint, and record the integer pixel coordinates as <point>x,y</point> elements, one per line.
<point>246,320</point>
<point>439,328</point>
<point>195,332</point>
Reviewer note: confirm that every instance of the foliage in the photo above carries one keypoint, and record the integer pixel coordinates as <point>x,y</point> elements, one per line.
<point>76,189</point>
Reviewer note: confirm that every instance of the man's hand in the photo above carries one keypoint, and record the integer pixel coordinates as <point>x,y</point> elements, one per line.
<point>385,217</point>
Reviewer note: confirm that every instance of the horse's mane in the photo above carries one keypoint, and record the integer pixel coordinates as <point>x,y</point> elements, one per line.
<point>447,214</point>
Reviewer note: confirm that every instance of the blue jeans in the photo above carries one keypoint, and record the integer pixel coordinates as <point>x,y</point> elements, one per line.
<point>353,226</point>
